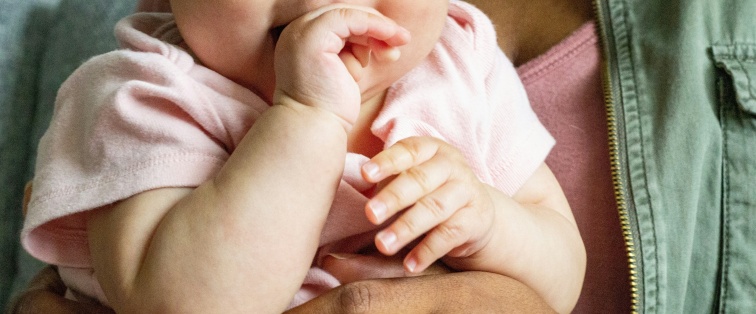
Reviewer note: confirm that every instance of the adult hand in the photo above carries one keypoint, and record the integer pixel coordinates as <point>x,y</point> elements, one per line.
<point>45,294</point>
<point>432,292</point>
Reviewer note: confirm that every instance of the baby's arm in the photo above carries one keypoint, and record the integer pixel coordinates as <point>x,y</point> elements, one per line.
<point>243,241</point>
<point>246,237</point>
<point>531,237</point>
<point>538,237</point>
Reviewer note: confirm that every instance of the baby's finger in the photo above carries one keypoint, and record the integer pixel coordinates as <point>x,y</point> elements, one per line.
<point>429,212</point>
<point>365,47</point>
<point>347,21</point>
<point>383,52</point>
<point>353,61</point>
<point>401,156</point>
<point>407,189</point>
<point>362,53</point>
<point>450,235</point>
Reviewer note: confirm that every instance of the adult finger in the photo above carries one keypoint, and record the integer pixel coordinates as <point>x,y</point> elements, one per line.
<point>348,268</point>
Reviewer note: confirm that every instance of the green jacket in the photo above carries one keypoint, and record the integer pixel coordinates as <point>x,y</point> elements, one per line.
<point>680,82</point>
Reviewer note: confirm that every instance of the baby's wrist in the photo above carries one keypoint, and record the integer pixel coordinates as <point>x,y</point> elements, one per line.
<point>282,99</point>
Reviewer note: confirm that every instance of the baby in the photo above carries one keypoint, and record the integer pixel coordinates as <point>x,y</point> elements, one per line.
<point>232,146</point>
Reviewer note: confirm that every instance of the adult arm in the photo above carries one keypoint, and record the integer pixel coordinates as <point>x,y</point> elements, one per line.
<point>434,292</point>
<point>466,292</point>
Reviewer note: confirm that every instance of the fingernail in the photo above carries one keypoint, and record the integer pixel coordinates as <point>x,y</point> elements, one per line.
<point>410,264</point>
<point>387,238</point>
<point>370,169</point>
<point>337,256</point>
<point>378,209</point>
<point>393,54</point>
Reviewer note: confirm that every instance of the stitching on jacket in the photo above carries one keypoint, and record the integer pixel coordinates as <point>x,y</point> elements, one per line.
<point>628,50</point>
<point>725,207</point>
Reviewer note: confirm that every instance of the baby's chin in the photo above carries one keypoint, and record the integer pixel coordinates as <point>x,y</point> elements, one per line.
<point>375,93</point>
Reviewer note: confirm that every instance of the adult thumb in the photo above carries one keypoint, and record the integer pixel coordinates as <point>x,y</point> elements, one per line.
<point>349,268</point>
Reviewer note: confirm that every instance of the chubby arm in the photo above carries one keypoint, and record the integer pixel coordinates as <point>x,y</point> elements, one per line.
<point>242,240</point>
<point>537,241</point>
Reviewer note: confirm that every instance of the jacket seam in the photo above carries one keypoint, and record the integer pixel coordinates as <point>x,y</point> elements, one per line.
<point>631,75</point>
<point>725,208</point>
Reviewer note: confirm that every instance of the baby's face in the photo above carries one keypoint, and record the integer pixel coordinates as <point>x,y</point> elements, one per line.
<point>236,38</point>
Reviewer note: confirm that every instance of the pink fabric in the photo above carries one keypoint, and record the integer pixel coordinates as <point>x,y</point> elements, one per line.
<point>148,116</point>
<point>564,87</point>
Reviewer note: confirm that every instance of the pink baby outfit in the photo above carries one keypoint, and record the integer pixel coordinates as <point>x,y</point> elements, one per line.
<point>149,116</point>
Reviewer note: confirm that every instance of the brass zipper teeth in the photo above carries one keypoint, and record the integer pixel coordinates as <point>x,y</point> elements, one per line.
<point>614,158</point>
<point>619,195</point>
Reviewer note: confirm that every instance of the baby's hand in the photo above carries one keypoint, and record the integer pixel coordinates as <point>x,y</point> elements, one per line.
<point>320,56</point>
<point>445,199</point>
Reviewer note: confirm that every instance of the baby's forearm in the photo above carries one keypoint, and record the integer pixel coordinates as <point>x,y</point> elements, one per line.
<point>536,245</point>
<point>245,240</point>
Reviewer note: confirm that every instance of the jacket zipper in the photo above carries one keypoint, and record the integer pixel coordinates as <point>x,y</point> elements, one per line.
<point>611,88</point>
